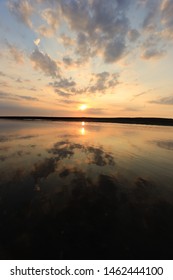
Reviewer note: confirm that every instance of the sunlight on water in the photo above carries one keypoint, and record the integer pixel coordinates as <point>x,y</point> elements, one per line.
<point>78,186</point>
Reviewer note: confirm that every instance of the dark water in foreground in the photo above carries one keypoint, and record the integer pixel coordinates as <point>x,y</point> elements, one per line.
<point>85,191</point>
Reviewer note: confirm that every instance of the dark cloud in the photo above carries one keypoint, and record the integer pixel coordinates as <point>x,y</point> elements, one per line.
<point>100,27</point>
<point>114,50</point>
<point>164,100</point>
<point>66,87</point>
<point>63,93</point>
<point>133,35</point>
<point>43,62</point>
<point>103,81</point>
<point>63,83</point>
<point>152,54</point>
<point>99,83</point>
<point>29,98</point>
<point>68,61</point>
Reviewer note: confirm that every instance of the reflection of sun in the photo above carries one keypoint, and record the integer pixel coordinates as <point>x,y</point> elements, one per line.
<point>83,123</point>
<point>83,107</point>
<point>83,131</point>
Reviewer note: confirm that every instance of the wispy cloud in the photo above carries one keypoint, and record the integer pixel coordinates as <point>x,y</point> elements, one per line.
<point>164,100</point>
<point>22,9</point>
<point>17,54</point>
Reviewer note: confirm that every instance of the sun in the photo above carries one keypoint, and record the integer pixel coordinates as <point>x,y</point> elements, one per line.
<point>83,107</point>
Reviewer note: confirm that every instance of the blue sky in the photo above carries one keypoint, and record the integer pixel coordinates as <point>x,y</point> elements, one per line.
<point>115,57</point>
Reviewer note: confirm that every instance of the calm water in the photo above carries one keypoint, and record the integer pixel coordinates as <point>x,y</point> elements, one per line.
<point>85,191</point>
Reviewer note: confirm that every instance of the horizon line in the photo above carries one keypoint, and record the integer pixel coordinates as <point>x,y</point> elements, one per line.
<point>127,120</point>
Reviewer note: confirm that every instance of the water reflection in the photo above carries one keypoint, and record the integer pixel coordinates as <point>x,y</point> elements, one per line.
<point>108,195</point>
<point>82,131</point>
<point>168,144</point>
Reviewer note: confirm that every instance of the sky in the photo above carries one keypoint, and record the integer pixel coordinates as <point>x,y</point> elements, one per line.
<point>98,58</point>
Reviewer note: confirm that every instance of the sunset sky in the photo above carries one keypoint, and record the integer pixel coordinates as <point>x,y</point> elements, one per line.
<point>86,58</point>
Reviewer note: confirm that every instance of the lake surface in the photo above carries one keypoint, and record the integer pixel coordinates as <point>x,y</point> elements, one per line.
<point>71,190</point>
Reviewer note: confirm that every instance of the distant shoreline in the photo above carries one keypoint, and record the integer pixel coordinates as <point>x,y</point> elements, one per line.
<point>139,120</point>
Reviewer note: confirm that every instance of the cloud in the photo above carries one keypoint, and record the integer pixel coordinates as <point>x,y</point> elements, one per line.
<point>103,81</point>
<point>164,100</point>
<point>152,47</point>
<point>63,83</point>
<point>95,111</point>
<point>64,87</point>
<point>2,74</point>
<point>152,54</point>
<point>133,35</point>
<point>99,83</point>
<point>7,95</point>
<point>166,13</point>
<point>43,62</point>
<point>22,9</point>
<point>114,50</point>
<point>45,31</point>
<point>67,101</point>
<point>101,27</point>
<point>63,93</point>
<point>29,98</point>
<point>10,96</point>
<point>16,53</point>
<point>70,61</point>
<point>66,40</point>
<point>51,17</point>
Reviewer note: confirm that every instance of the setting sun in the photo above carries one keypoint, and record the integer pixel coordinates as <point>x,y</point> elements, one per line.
<point>83,107</point>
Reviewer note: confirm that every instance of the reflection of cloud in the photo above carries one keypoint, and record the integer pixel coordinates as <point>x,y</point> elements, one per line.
<point>97,156</point>
<point>42,169</point>
<point>3,158</point>
<point>4,138</point>
<point>82,216</point>
<point>168,145</point>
